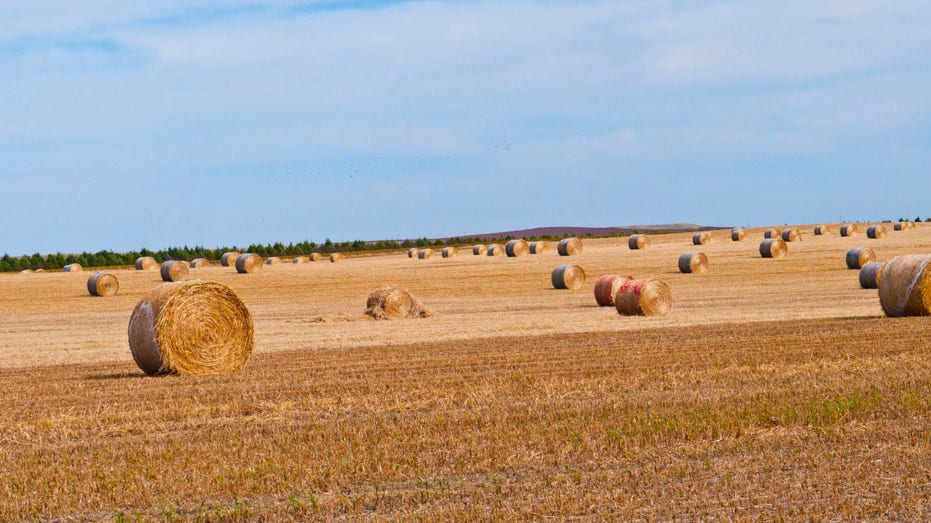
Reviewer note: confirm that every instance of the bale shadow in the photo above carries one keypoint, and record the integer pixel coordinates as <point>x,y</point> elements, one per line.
<point>116,376</point>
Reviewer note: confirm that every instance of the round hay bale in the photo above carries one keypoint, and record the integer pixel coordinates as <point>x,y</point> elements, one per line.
<point>273,260</point>
<point>72,267</point>
<point>146,263</point>
<point>175,270</point>
<point>300,259</point>
<point>606,288</point>
<point>102,284</point>
<point>638,241</point>
<point>875,232</point>
<point>538,247</point>
<point>791,235</point>
<point>192,327</point>
<point>738,235</point>
<point>315,256</point>
<point>496,249</point>
<point>773,248</point>
<point>693,262</point>
<point>391,302</point>
<point>900,226</point>
<point>449,252</point>
<point>772,234</point>
<point>515,248</point>
<point>645,297</point>
<point>905,287</point>
<point>200,263</point>
<point>412,252</point>
<point>336,257</point>
<point>848,229</point>
<point>568,276</point>
<point>822,230</point>
<point>701,238</point>
<point>40,269</point>
<point>857,257</point>
<point>248,263</point>
<point>229,259</point>
<point>479,250</point>
<point>424,254</point>
<point>26,271</point>
<point>569,247</point>
<point>870,275</point>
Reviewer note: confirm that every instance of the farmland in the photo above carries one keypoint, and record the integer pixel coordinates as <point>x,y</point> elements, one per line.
<point>774,389</point>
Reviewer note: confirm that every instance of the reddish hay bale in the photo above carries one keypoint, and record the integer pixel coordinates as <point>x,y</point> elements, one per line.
<point>146,263</point>
<point>849,229</point>
<point>638,241</point>
<point>175,270</point>
<point>479,250</point>
<point>315,256</point>
<point>870,275</point>
<point>424,254</point>
<point>229,259</point>
<point>103,284</point>
<point>412,252</point>
<point>701,238</point>
<point>496,250</point>
<point>875,232</point>
<point>857,257</point>
<point>693,262</point>
<point>773,248</point>
<point>738,235</point>
<point>606,288</point>
<point>200,263</point>
<point>772,234</point>
<point>568,276</point>
<point>248,263</point>
<point>515,248</point>
<point>392,303</point>
<point>449,252</point>
<point>645,297</point>
<point>273,260</point>
<point>300,259</point>
<point>72,267</point>
<point>336,257</point>
<point>822,230</point>
<point>570,247</point>
<point>192,327</point>
<point>791,235</point>
<point>905,287</point>
<point>538,247</point>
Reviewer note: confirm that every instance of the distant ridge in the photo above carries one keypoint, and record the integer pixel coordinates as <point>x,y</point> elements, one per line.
<point>594,231</point>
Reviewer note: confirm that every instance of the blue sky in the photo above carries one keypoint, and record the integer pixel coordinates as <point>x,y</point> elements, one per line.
<point>227,123</point>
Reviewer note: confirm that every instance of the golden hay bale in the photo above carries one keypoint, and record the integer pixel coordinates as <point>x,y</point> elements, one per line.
<point>300,259</point>
<point>26,271</point>
<point>174,270</point>
<point>146,263</point>
<point>701,238</point>
<point>773,248</point>
<point>40,269</point>
<point>848,229</point>
<point>857,257</point>
<point>638,241</point>
<point>900,226</point>
<point>449,252</point>
<point>870,275</point>
<point>496,249</point>
<point>479,250</point>
<point>315,256</point>
<point>248,263</point>
<point>336,257</point>
<point>72,267</point>
<point>568,276</point>
<point>876,232</point>
<point>229,259</point>
<point>606,288</point>
<point>272,260</point>
<point>102,284</point>
<point>192,327</point>
<point>645,297</point>
<point>538,247</point>
<point>412,252</point>
<point>772,234</point>
<point>391,302</point>
<point>200,263</point>
<point>693,262</point>
<point>569,247</point>
<point>791,235</point>
<point>516,248</point>
<point>822,230</point>
<point>738,235</point>
<point>424,254</point>
<point>905,287</point>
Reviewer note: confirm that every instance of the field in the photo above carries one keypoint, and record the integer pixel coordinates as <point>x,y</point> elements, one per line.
<point>775,389</point>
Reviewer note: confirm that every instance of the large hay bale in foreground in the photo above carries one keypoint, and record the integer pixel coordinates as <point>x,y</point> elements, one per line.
<point>606,288</point>
<point>248,263</point>
<point>449,252</point>
<point>175,270</point>
<point>905,287</point>
<point>496,249</point>
<point>693,262</point>
<point>412,252</point>
<point>638,241</point>
<point>337,257</point>
<point>103,284</point>
<point>871,274</point>
<point>848,229</point>
<point>300,259</point>
<point>738,235</point>
<point>391,302</point>
<point>229,258</point>
<point>479,250</point>
<point>701,238</point>
<point>791,235</point>
<point>515,248</point>
<point>146,263</point>
<point>200,263</point>
<point>273,260</point>
<point>859,256</point>
<point>192,327</point>
<point>424,254</point>
<point>644,297</point>
<point>875,232</point>
<point>773,248</point>
<point>538,247</point>
<point>772,234</point>
<point>315,256</point>
<point>569,247</point>
<point>568,276</point>
<point>72,267</point>
<point>822,230</point>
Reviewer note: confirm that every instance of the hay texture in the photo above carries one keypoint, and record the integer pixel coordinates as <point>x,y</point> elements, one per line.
<point>773,248</point>
<point>229,259</point>
<point>315,256</point>
<point>448,252</point>
<point>791,235</point>
<point>480,250</point>
<point>496,249</point>
<point>638,241</point>
<point>693,262</point>
<point>568,276</point>
<point>146,263</point>
<point>412,252</point>
<point>200,263</point>
<point>192,327</point>
<point>103,284</point>
<point>273,260</point>
<point>701,238</point>
<point>848,229</point>
<point>300,259</point>
<point>875,232</point>
<point>570,247</point>
<point>538,247</point>
<point>738,235</point>
<point>336,257</point>
<point>248,263</point>
<point>424,254</point>
<point>389,303</point>
<point>772,234</point>
<point>905,287</point>
<point>870,275</point>
<point>645,297</point>
<point>175,270</point>
<point>515,248</point>
<point>72,267</point>
<point>606,288</point>
<point>822,230</point>
<point>859,256</point>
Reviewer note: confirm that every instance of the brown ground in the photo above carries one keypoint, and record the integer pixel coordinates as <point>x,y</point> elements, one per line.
<point>774,390</point>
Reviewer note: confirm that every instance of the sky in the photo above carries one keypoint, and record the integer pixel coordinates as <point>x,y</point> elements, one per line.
<point>207,123</point>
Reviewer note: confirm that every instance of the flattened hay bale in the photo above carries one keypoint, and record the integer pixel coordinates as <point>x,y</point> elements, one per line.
<point>449,252</point>
<point>192,327</point>
<point>336,257</point>
<point>272,260</point>
<point>200,263</point>
<point>568,276</point>
<point>480,250</point>
<point>103,284</point>
<point>693,262</point>
<point>638,241</point>
<point>229,258</point>
<point>738,235</point>
<point>701,238</point>
<point>515,248</point>
<point>875,232</point>
<point>300,259</point>
<point>146,263</point>
<point>412,252</point>
<point>390,302</point>
<point>848,229</point>
<point>315,256</point>
<point>646,297</point>
<point>857,257</point>
<point>773,248</point>
<point>72,267</point>
<point>870,275</point>
<point>606,288</point>
<point>424,254</point>
<point>496,249</point>
<point>569,247</point>
<point>822,230</point>
<point>772,234</point>
<point>248,263</point>
<point>175,270</point>
<point>538,247</point>
<point>791,235</point>
<point>905,287</point>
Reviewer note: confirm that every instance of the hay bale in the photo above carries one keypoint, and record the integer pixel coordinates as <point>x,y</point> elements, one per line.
<point>645,297</point>
<point>229,259</point>
<point>26,271</point>
<point>606,288</point>
<point>315,256</point>
<point>412,252</point>
<point>822,230</point>
<point>273,260</point>
<point>479,250</point>
<point>638,241</point>
<point>496,249</point>
<point>569,247</point>
<point>857,257</point>
<point>773,248</point>
<point>875,232</point>
<point>192,327</point>
<point>772,234</point>
<point>200,263</point>
<point>391,302</point>
<point>905,287</point>
<point>248,263</point>
<point>848,229</point>
<point>568,276</point>
<point>693,262</point>
<point>424,254</point>
<point>538,247</point>
<point>40,269</point>
<point>300,259</point>
<point>336,257</point>
<point>103,284</point>
<point>449,252</point>
<point>791,235</point>
<point>146,263</point>
<point>870,275</point>
<point>515,248</point>
<point>72,267</point>
<point>738,235</point>
<point>701,238</point>
<point>175,270</point>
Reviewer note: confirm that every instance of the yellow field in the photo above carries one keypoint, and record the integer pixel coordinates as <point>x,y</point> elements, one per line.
<point>774,389</point>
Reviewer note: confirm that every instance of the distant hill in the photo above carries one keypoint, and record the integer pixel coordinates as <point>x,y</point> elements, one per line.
<point>560,231</point>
